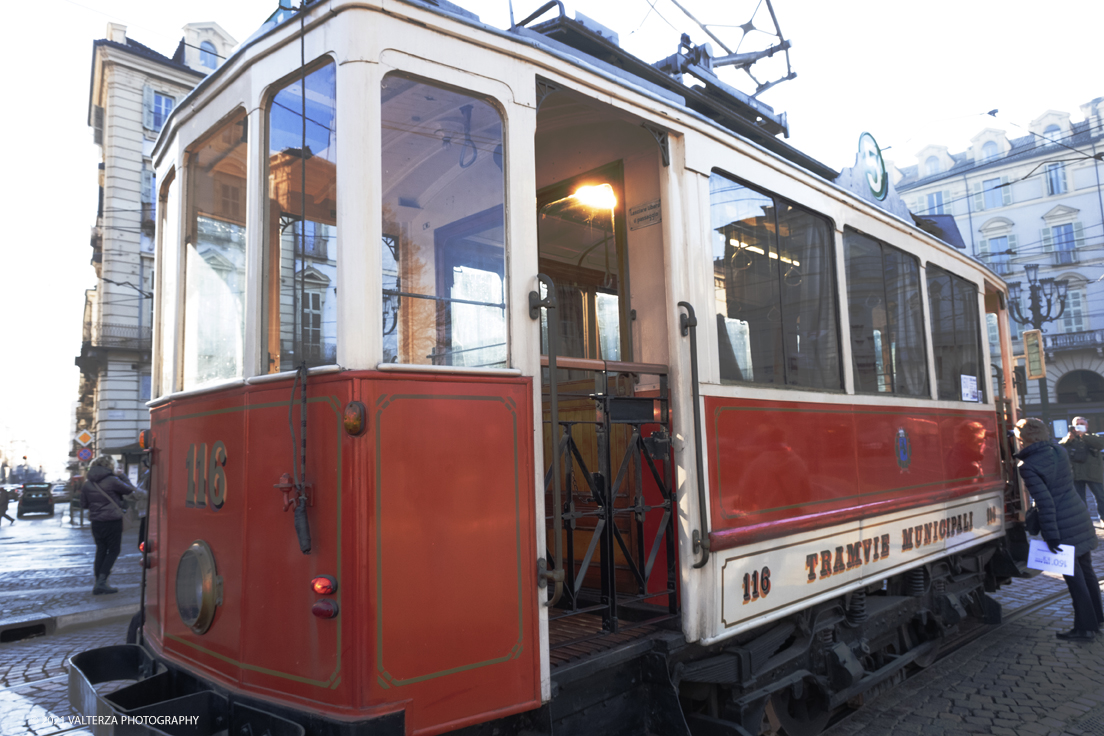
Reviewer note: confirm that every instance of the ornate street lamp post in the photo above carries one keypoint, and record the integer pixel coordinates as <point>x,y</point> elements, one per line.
<point>1047,302</point>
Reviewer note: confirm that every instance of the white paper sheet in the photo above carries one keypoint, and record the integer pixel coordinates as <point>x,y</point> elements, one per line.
<point>1039,557</point>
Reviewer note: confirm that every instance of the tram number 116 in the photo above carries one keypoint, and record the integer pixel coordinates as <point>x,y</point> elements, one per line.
<point>206,475</point>
<point>757,584</point>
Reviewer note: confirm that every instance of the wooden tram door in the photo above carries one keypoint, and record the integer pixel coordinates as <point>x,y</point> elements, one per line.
<point>617,527</point>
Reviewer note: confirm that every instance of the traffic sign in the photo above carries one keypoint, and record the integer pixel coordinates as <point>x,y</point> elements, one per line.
<point>85,438</point>
<point>84,454</point>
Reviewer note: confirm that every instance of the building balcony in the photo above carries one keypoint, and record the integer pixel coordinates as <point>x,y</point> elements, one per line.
<point>122,337</point>
<point>1087,340</point>
<point>102,338</point>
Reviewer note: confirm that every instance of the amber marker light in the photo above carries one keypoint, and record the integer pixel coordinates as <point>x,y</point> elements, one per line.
<point>600,197</point>
<point>145,439</point>
<point>324,608</point>
<point>324,585</point>
<point>353,418</point>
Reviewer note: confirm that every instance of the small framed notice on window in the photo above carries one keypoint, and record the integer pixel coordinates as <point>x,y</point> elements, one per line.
<point>969,388</point>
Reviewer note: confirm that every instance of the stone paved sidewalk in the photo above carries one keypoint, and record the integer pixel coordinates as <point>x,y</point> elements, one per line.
<point>46,576</point>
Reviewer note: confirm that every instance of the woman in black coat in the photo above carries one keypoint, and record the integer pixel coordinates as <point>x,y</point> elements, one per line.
<point>1064,519</point>
<point>102,494</point>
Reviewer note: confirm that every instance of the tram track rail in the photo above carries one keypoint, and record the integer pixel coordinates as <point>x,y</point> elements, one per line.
<point>31,683</point>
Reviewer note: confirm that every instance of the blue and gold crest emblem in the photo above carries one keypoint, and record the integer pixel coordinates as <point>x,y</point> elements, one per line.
<point>903,449</point>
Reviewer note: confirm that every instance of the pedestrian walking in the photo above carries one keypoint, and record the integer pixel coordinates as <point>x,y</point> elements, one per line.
<point>1063,519</point>
<point>102,494</point>
<point>1088,467</point>
<point>4,506</point>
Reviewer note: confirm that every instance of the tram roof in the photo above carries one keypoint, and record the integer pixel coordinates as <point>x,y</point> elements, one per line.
<point>574,40</point>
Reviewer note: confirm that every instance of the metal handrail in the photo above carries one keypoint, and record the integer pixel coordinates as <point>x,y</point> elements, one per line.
<point>555,576</point>
<point>607,366</point>
<point>689,325</point>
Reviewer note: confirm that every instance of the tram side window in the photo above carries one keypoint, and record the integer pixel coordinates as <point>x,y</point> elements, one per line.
<point>301,260</point>
<point>956,336</point>
<point>165,283</point>
<point>887,318</point>
<point>444,252</point>
<point>774,283</point>
<point>214,262</point>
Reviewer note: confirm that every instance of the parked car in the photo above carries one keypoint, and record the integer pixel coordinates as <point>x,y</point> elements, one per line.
<point>13,491</point>
<point>60,492</point>
<point>36,498</point>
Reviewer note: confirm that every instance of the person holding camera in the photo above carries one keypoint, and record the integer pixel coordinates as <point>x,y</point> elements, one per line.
<point>1063,519</point>
<point>1088,468</point>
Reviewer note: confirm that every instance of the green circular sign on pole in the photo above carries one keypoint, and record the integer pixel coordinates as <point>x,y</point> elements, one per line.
<point>872,166</point>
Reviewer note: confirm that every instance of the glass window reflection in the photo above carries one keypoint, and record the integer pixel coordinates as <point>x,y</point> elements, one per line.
<point>774,283</point>
<point>301,259</point>
<point>443,261</point>
<point>956,336</point>
<point>214,267</point>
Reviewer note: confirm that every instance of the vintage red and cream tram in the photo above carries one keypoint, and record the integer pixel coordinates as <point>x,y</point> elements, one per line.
<point>505,382</point>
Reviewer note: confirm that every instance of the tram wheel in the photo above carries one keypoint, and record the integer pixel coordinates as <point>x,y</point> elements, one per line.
<point>928,659</point>
<point>799,716</point>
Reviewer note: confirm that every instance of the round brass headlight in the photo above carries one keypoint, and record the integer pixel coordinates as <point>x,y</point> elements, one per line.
<point>198,587</point>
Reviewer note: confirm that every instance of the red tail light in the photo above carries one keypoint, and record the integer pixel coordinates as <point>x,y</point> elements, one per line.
<point>324,585</point>
<point>324,608</point>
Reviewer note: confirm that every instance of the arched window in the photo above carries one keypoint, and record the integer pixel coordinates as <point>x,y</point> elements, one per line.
<point>1080,387</point>
<point>931,166</point>
<point>207,55</point>
<point>1052,132</point>
<point>989,151</point>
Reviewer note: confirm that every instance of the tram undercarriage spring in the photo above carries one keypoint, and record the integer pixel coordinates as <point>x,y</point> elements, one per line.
<point>856,610</point>
<point>915,582</point>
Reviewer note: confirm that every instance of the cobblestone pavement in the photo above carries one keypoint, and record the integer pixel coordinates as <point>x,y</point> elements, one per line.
<point>46,571</point>
<point>34,687</point>
<point>1016,680</point>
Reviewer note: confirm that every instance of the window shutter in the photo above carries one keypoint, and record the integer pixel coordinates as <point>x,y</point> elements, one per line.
<point>979,198</point>
<point>1006,192</point>
<point>97,124</point>
<point>1062,179</point>
<point>1011,245</point>
<point>1078,235</point>
<point>147,185</point>
<point>1048,239</point>
<point>147,107</point>
<point>948,205</point>
<point>983,249</point>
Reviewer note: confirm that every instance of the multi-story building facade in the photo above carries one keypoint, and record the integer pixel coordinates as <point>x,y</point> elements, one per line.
<point>133,91</point>
<point>1033,207</point>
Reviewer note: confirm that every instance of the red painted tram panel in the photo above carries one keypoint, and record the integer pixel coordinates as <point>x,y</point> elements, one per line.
<point>425,520</point>
<point>778,468</point>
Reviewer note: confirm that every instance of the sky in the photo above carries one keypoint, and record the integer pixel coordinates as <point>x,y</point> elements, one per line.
<point>908,73</point>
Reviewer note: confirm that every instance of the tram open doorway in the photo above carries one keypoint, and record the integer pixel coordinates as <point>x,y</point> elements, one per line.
<point>609,428</point>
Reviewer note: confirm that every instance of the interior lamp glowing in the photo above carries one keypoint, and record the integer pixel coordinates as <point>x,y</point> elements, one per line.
<point>600,197</point>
